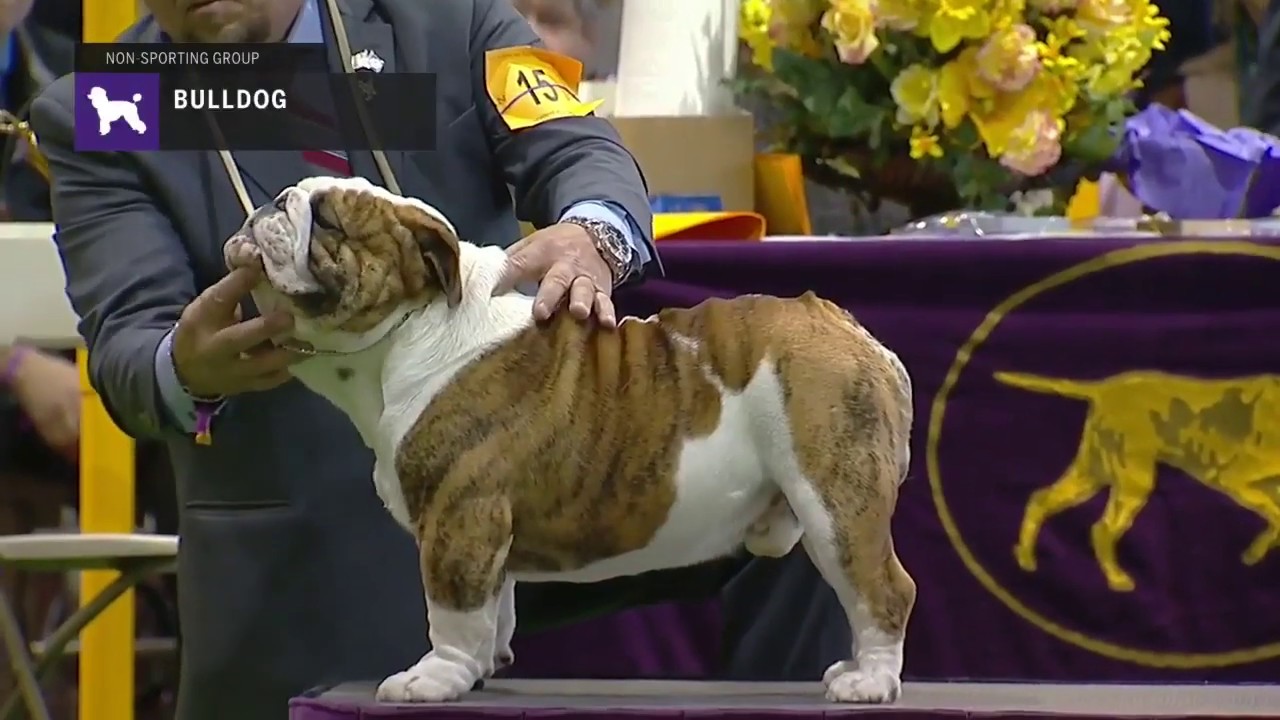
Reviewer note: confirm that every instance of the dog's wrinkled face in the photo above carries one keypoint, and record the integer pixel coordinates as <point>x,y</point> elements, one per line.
<point>344,256</point>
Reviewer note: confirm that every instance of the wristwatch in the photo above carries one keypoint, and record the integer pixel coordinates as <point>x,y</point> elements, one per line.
<point>612,246</point>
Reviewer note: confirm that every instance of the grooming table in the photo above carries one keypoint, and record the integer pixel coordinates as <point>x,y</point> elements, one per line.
<point>134,556</point>
<point>660,700</point>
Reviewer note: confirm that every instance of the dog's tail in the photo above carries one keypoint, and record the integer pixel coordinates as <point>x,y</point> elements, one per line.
<point>137,97</point>
<point>1063,387</point>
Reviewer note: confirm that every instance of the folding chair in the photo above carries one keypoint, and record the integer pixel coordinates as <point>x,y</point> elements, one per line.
<point>134,556</point>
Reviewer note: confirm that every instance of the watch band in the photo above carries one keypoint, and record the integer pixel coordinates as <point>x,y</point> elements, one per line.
<point>612,245</point>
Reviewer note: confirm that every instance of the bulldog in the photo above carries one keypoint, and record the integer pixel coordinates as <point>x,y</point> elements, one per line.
<point>565,451</point>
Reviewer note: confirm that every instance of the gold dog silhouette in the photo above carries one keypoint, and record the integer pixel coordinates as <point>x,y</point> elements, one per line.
<point>1223,433</point>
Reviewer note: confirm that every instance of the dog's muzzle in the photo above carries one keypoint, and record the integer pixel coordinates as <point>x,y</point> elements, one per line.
<point>279,237</point>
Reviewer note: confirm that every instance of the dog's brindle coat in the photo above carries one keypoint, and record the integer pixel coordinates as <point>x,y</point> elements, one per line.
<point>570,452</point>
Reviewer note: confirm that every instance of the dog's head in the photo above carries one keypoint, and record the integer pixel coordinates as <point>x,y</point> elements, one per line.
<point>345,257</point>
<point>97,95</point>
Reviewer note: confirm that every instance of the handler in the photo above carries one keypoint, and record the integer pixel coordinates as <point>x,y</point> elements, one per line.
<point>291,572</point>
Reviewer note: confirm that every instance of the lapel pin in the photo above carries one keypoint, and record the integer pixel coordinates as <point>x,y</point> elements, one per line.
<point>367,60</point>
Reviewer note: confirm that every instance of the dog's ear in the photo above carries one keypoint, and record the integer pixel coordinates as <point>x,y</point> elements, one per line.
<point>439,248</point>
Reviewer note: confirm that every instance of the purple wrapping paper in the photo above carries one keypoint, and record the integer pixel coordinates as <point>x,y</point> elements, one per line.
<point>1179,164</point>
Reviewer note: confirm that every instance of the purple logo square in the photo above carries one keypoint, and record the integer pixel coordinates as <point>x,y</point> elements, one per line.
<point>117,112</point>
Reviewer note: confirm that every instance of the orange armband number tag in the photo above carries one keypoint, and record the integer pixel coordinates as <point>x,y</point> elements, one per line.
<point>530,86</point>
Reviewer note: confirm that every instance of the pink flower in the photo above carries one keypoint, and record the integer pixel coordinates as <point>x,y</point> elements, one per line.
<point>779,32</point>
<point>1035,146</point>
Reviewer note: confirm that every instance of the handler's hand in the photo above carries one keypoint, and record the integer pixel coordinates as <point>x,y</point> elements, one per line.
<point>215,354</point>
<point>563,260</point>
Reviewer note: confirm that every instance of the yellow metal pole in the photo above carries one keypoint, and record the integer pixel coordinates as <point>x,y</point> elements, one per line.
<point>106,505</point>
<point>106,490</point>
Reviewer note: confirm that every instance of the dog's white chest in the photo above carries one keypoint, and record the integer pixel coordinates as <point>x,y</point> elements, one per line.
<point>387,484</point>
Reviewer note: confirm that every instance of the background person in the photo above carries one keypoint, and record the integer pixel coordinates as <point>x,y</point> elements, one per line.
<point>588,30</point>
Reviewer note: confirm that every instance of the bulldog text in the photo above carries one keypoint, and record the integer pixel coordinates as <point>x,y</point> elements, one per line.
<point>224,99</point>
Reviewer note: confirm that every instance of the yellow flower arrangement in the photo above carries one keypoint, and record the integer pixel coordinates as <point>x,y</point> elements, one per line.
<point>989,93</point>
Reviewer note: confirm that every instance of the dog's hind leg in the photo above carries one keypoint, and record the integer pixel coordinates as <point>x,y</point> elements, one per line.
<point>848,541</point>
<point>464,539</point>
<point>843,487</point>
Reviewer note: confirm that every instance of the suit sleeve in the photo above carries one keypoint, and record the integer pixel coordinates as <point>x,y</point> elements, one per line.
<point>560,163</point>
<point>128,275</point>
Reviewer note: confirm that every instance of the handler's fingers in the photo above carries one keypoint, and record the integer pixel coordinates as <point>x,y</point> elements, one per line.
<point>582,296</point>
<point>524,265</point>
<point>242,255</point>
<point>269,360</point>
<point>605,311</point>
<point>552,291</point>
<point>220,301</point>
<point>244,336</point>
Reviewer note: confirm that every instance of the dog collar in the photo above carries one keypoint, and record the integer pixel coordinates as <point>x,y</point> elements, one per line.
<point>328,352</point>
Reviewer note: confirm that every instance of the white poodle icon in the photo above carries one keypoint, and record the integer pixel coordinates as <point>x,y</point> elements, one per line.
<point>110,111</point>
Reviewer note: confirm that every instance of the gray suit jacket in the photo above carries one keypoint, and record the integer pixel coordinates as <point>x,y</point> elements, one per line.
<point>291,573</point>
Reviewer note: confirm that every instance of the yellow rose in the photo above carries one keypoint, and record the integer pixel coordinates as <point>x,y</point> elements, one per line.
<point>1035,145</point>
<point>852,23</point>
<point>1006,12</point>
<point>999,121</point>
<point>1104,12</point>
<point>915,91</point>
<point>899,14</point>
<point>1009,58</point>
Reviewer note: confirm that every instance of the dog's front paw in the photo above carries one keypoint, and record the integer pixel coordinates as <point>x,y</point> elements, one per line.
<point>431,679</point>
<point>857,686</point>
<point>838,668</point>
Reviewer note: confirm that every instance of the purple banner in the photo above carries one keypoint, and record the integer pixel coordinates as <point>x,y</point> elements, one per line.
<point>1096,486</point>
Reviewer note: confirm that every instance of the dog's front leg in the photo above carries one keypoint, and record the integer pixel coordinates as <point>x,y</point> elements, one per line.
<point>463,551</point>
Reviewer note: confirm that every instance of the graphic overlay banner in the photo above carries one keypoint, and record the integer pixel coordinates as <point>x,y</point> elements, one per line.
<point>132,97</point>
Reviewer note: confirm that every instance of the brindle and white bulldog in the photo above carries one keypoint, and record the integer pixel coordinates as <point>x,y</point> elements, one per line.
<point>566,452</point>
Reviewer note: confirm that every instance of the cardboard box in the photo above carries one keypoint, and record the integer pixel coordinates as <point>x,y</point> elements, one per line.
<point>1211,87</point>
<point>690,161</point>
